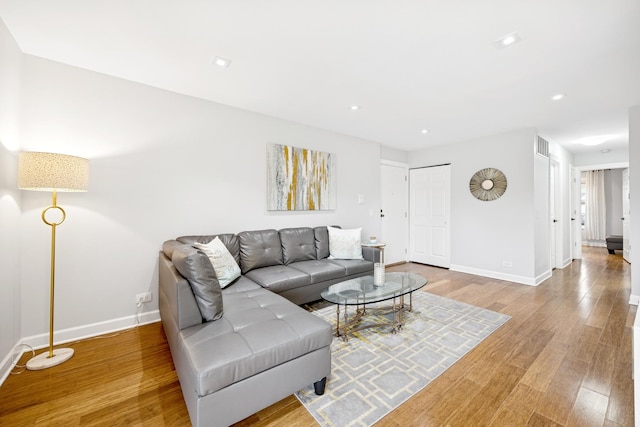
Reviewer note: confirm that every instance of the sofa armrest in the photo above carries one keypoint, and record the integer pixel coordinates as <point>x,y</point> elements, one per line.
<point>371,254</point>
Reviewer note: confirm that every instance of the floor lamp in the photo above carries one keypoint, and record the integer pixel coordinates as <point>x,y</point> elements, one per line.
<point>52,172</point>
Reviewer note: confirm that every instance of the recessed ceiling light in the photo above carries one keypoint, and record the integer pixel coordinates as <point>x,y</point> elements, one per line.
<point>221,62</point>
<point>425,131</point>
<point>558,96</point>
<point>507,40</point>
<point>355,107</point>
<point>594,140</point>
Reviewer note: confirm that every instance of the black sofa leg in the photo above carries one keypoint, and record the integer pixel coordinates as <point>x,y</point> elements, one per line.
<point>318,386</point>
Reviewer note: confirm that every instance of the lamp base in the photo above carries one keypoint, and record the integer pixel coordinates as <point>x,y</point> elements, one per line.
<point>43,361</point>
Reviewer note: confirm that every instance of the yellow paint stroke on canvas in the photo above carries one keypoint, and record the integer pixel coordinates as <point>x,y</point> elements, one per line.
<point>285,155</point>
<point>294,182</point>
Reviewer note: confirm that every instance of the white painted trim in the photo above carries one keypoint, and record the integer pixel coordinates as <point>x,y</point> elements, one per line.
<point>635,300</point>
<point>566,263</point>
<point>531,281</point>
<point>71,335</point>
<point>544,276</point>
<point>619,165</point>
<point>9,362</point>
<point>92,330</point>
<point>394,163</point>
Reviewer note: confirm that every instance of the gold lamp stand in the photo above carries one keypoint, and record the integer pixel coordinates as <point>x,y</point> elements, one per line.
<point>59,355</point>
<point>52,172</point>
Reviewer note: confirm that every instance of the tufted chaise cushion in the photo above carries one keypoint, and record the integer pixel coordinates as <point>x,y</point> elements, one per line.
<point>259,330</point>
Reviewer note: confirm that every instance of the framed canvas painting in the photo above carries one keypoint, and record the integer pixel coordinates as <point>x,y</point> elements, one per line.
<point>299,179</point>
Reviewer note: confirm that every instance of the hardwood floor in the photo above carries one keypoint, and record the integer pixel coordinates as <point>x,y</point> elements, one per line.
<point>564,359</point>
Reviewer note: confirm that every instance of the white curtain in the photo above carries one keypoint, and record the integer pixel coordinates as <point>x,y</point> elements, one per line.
<point>595,224</point>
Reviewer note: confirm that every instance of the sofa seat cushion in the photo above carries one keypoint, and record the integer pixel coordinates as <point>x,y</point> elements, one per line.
<point>354,266</point>
<point>320,270</point>
<point>259,330</point>
<point>278,278</point>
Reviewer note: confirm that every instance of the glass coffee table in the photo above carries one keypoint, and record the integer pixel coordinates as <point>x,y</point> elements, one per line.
<point>361,291</point>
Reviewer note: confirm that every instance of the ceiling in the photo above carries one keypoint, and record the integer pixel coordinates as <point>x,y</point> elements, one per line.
<point>410,65</point>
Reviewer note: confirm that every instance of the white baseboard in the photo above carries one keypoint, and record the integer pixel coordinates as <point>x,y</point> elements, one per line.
<point>531,281</point>
<point>9,361</point>
<point>91,330</point>
<point>634,299</point>
<point>73,334</point>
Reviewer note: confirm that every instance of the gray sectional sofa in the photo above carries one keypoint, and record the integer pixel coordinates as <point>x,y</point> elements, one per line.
<point>260,346</point>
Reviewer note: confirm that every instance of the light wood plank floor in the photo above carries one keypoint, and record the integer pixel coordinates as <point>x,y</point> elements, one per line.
<point>564,359</point>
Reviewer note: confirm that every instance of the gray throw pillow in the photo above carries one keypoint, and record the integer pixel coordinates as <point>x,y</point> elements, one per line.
<point>195,266</point>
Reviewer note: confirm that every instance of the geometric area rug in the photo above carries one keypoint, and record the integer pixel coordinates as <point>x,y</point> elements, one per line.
<point>376,371</point>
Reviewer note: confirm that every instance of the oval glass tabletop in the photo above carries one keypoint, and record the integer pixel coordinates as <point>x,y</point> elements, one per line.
<point>361,290</point>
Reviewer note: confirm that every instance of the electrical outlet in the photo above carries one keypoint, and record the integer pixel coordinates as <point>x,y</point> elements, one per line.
<point>506,263</point>
<point>142,298</point>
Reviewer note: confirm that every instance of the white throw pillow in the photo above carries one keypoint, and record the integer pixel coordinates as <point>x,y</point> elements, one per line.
<point>224,264</point>
<point>345,244</point>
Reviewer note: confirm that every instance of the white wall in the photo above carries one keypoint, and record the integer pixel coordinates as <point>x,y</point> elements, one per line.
<point>634,187</point>
<point>394,155</point>
<point>486,234</point>
<point>10,328</point>
<point>162,165</point>
<point>585,161</point>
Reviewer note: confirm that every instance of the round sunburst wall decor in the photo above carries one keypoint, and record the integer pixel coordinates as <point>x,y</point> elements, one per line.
<point>488,184</point>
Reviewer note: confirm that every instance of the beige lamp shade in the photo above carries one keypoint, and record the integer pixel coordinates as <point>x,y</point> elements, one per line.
<point>52,172</point>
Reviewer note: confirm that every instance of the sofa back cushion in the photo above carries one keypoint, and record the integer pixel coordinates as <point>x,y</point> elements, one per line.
<point>322,242</point>
<point>298,244</point>
<point>195,266</point>
<point>259,248</point>
<point>229,240</point>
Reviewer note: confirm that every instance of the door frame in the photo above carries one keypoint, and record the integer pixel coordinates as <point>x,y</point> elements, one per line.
<point>580,169</point>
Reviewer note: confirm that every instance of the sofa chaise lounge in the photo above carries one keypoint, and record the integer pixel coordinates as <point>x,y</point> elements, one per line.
<point>260,346</point>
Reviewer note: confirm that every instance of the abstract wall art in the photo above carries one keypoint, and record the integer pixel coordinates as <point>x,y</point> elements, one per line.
<point>299,179</point>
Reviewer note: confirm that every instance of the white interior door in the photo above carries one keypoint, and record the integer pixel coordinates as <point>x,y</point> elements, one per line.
<point>553,214</point>
<point>394,219</point>
<point>429,215</point>
<point>626,217</point>
<point>576,237</point>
